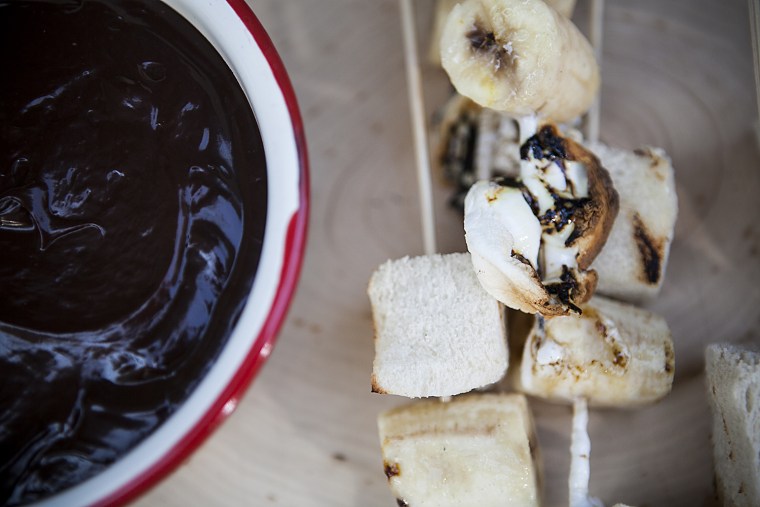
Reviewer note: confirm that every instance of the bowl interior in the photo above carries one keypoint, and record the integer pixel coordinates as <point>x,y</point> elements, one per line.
<point>241,41</point>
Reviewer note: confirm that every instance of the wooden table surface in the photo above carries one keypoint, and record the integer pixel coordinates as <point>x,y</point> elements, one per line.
<point>676,74</point>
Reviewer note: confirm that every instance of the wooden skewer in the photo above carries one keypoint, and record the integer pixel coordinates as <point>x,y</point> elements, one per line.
<point>754,19</point>
<point>596,32</point>
<point>419,129</point>
<point>580,446</point>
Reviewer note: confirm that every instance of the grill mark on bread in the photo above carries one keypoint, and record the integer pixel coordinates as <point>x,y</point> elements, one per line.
<point>600,327</point>
<point>654,161</point>
<point>458,431</point>
<point>376,388</point>
<point>391,470</point>
<point>650,251</point>
<point>670,360</point>
<point>620,359</point>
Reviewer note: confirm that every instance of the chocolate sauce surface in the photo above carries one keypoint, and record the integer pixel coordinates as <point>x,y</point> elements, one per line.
<point>132,213</point>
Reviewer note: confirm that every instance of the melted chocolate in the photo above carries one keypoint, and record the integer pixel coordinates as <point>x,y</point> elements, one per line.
<point>565,289</point>
<point>562,214</point>
<point>132,211</point>
<point>547,143</point>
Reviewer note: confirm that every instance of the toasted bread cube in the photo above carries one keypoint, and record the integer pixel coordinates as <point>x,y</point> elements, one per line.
<point>631,266</point>
<point>614,354</point>
<point>476,450</point>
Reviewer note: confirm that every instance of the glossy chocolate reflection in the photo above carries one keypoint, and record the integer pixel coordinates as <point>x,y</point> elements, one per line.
<point>132,212</point>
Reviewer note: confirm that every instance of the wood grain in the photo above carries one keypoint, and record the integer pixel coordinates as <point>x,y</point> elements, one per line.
<point>677,74</point>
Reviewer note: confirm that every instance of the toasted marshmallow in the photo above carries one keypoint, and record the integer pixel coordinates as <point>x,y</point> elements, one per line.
<point>631,266</point>
<point>563,202</point>
<point>559,186</point>
<point>498,219</point>
<point>503,236</point>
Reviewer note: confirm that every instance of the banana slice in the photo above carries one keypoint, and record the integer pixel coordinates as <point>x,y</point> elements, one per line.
<point>474,450</point>
<point>521,57</point>
<point>532,239</point>
<point>441,12</point>
<point>614,354</point>
<point>443,8</point>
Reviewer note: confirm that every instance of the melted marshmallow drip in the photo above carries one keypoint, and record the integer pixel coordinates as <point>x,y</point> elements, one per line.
<point>580,452</point>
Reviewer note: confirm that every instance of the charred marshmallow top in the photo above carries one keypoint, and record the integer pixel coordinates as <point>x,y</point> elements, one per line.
<point>557,187</point>
<point>532,219</point>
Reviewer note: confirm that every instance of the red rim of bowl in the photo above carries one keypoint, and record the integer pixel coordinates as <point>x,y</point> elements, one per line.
<point>295,244</point>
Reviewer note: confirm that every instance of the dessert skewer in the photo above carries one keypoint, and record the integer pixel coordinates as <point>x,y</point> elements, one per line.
<point>527,125</point>
<point>422,308</point>
<point>419,129</point>
<point>580,449</point>
<point>596,34</point>
<point>561,104</point>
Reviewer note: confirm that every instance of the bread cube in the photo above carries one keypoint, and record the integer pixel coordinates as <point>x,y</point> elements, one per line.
<point>437,332</point>
<point>478,449</point>
<point>733,380</point>
<point>614,354</point>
